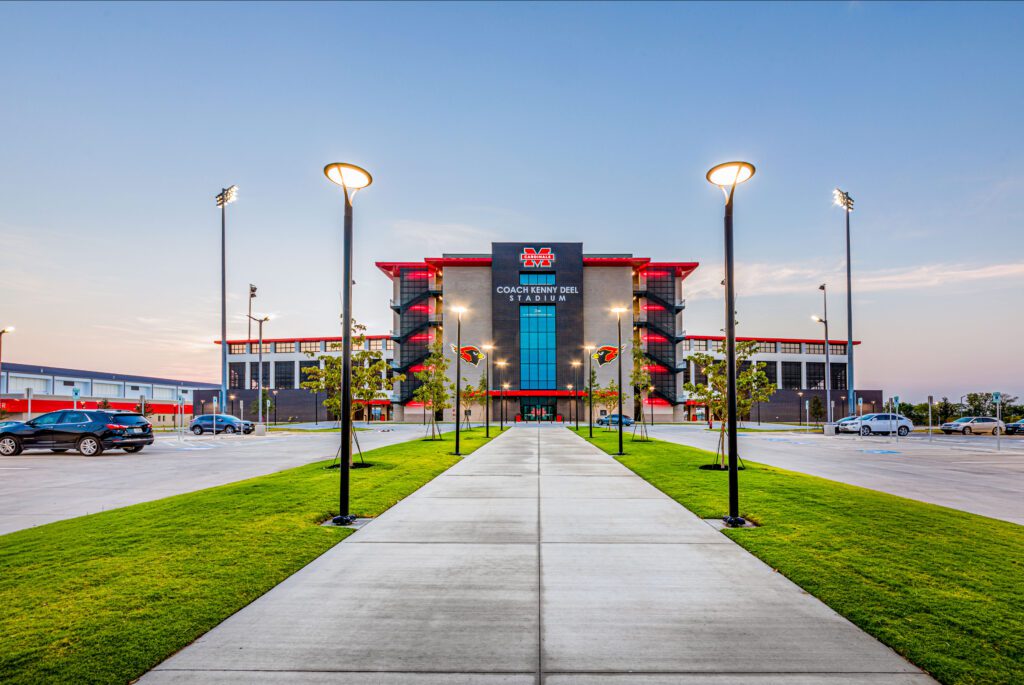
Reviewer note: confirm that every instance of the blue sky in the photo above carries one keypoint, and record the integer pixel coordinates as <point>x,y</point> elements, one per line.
<point>508,122</point>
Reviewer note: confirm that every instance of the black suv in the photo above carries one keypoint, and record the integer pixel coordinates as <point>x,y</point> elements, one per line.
<point>89,431</point>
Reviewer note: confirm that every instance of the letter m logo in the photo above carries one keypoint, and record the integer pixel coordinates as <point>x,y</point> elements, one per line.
<point>532,256</point>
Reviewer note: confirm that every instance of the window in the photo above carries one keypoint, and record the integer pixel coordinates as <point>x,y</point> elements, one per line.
<point>765,347</point>
<point>816,375</point>
<point>536,278</point>
<point>266,348</point>
<point>284,375</point>
<point>839,348</point>
<point>537,347</point>
<point>815,348</point>
<point>254,370</point>
<point>685,345</point>
<point>284,348</point>
<point>303,365</point>
<point>717,345</point>
<point>790,348</point>
<point>699,376</point>
<point>69,384</point>
<point>47,419</point>
<point>389,344</point>
<point>236,375</point>
<point>309,346</point>
<point>838,376</point>
<point>700,345</point>
<point>771,370</point>
<point>237,348</point>
<point>791,379</point>
<point>74,417</point>
<point>376,344</point>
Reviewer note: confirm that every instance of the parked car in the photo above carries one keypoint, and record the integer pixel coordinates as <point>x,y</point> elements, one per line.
<point>613,420</point>
<point>966,425</point>
<point>89,431</point>
<point>846,424</point>
<point>8,423</point>
<point>877,424</point>
<point>1015,427</point>
<point>226,423</point>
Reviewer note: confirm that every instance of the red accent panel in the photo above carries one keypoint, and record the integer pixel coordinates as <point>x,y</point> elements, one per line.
<point>540,393</point>
<point>41,406</point>
<point>635,262</point>
<point>682,269</point>
<point>439,262</point>
<point>392,268</point>
<point>329,338</point>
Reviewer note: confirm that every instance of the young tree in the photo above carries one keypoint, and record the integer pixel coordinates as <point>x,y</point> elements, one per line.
<point>945,410</point>
<point>369,376</point>
<point>984,404</point>
<point>640,379</point>
<point>474,395</point>
<point>751,386</point>
<point>607,398</point>
<point>103,404</point>
<point>435,391</point>
<point>146,409</point>
<point>817,409</point>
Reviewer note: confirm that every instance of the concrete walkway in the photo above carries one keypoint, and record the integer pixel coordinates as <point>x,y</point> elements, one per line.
<point>538,559</point>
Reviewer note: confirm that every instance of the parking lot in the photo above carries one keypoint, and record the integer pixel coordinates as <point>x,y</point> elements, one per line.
<point>961,472</point>
<point>40,487</point>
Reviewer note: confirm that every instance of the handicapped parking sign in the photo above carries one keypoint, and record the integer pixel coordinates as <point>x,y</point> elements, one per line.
<point>997,397</point>
<point>76,393</point>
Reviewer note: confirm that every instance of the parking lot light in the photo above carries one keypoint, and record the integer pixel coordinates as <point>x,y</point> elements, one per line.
<point>727,176</point>
<point>458,376</point>
<point>843,199</point>
<point>225,197</point>
<point>352,179</point>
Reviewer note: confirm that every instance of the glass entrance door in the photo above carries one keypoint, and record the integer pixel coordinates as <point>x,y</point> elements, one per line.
<point>537,409</point>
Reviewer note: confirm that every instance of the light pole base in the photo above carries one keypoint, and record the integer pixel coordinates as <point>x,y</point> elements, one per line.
<point>344,520</point>
<point>735,521</point>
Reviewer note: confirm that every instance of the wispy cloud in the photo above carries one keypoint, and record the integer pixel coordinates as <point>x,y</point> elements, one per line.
<point>433,239</point>
<point>758,278</point>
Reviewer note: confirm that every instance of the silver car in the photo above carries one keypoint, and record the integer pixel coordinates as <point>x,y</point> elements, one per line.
<point>966,425</point>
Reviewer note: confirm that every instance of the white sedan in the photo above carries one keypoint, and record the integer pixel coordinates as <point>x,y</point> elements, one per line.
<point>874,424</point>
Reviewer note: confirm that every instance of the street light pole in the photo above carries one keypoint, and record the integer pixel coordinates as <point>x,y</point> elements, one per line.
<point>351,179</point>
<point>843,199</point>
<point>576,364</point>
<point>828,363</point>
<point>259,366</point>
<point>225,197</point>
<point>458,378</point>
<point>727,176</point>
<point>590,389</point>
<point>618,312</point>
<point>487,389</point>
<point>6,329</point>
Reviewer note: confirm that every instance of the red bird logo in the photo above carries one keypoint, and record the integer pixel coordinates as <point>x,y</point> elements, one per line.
<point>606,354</point>
<point>470,354</point>
<point>531,256</point>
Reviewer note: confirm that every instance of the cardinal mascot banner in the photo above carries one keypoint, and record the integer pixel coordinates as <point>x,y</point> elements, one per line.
<point>605,354</point>
<point>470,354</point>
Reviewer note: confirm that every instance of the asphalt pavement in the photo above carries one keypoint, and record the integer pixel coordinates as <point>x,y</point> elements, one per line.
<point>40,487</point>
<point>960,472</point>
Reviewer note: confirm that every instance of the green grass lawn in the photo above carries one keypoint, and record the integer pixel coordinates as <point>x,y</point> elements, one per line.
<point>942,587</point>
<point>103,598</point>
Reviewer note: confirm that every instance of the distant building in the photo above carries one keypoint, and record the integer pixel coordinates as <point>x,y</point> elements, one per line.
<point>49,388</point>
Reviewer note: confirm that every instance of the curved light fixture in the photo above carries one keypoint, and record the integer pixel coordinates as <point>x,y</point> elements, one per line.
<point>730,174</point>
<point>348,176</point>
